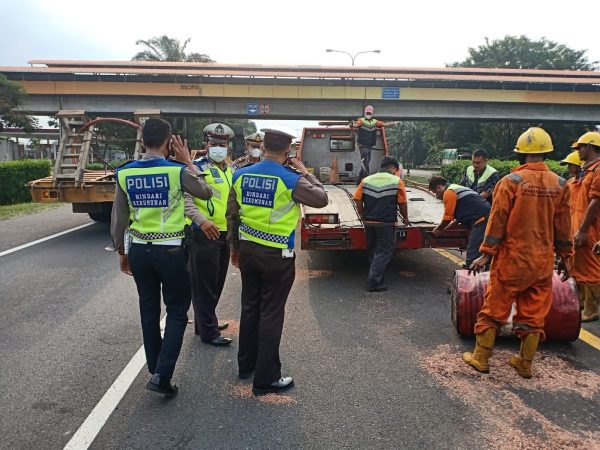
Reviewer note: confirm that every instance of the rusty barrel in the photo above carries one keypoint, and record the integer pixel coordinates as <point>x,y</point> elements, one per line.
<point>562,323</point>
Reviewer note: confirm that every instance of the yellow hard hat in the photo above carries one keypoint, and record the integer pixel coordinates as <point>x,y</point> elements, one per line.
<point>572,158</point>
<point>591,137</point>
<point>534,140</point>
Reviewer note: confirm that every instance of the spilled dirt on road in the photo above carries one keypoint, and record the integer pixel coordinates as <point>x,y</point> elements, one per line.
<point>502,411</point>
<point>245,392</point>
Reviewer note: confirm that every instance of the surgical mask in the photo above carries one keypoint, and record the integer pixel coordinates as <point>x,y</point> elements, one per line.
<point>368,115</point>
<point>217,154</point>
<point>255,152</point>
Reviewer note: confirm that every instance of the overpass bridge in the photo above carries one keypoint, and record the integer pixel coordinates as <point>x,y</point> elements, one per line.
<point>308,92</point>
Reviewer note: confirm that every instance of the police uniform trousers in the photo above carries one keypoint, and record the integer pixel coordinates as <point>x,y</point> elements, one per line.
<point>267,278</point>
<point>381,242</point>
<point>208,263</point>
<point>155,267</point>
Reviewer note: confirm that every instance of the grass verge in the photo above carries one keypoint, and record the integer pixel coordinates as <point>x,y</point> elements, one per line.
<point>23,209</point>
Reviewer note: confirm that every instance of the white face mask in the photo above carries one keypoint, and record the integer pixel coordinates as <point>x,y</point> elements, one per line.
<point>368,115</point>
<point>255,152</point>
<point>217,154</point>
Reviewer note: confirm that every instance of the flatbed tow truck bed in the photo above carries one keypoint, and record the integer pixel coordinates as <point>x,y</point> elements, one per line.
<point>348,232</point>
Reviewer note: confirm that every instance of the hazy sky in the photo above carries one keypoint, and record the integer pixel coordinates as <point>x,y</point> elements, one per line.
<point>408,33</point>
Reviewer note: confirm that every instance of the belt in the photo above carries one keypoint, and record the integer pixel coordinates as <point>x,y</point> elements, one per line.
<point>176,242</point>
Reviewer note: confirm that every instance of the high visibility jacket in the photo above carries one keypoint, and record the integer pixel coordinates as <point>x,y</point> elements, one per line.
<point>220,182</point>
<point>268,213</point>
<point>155,197</point>
<point>529,221</point>
<point>481,181</point>
<point>470,206</point>
<point>586,266</point>
<point>367,132</point>
<point>380,197</point>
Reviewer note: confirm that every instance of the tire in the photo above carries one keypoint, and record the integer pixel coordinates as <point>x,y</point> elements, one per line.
<point>100,217</point>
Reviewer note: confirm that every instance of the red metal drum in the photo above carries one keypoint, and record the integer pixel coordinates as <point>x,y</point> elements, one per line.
<point>562,323</point>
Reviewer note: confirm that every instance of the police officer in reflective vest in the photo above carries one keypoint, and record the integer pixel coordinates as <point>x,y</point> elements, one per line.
<point>467,208</point>
<point>480,176</point>
<point>378,198</point>
<point>262,216</point>
<point>254,152</point>
<point>149,200</point>
<point>368,127</point>
<point>208,247</point>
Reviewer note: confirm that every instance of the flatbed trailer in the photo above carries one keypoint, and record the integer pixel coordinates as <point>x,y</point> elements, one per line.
<point>338,226</point>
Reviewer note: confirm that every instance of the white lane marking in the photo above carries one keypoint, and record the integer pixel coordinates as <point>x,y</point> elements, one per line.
<point>92,425</point>
<point>47,238</point>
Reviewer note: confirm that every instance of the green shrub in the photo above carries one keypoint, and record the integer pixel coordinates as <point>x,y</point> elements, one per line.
<point>14,176</point>
<point>102,166</point>
<point>454,172</point>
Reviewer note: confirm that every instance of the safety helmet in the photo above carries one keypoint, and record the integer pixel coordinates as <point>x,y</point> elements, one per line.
<point>572,158</point>
<point>591,137</point>
<point>217,133</point>
<point>369,109</point>
<point>534,140</point>
<point>255,138</point>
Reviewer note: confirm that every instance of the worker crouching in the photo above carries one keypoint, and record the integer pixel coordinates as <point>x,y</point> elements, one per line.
<point>529,222</point>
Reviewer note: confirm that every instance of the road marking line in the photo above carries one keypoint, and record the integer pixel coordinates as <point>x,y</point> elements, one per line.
<point>584,335</point>
<point>589,338</point>
<point>92,425</point>
<point>446,254</point>
<point>21,247</point>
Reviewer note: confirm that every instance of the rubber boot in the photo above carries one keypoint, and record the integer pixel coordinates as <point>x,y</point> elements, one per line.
<point>591,303</point>
<point>522,362</point>
<point>478,359</point>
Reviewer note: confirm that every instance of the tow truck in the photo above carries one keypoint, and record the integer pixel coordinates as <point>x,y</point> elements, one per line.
<point>331,150</point>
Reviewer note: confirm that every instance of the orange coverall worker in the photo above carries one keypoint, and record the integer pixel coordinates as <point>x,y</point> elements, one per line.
<point>586,265</point>
<point>529,221</point>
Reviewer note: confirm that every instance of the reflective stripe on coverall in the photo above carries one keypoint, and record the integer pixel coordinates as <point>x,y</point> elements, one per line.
<point>529,221</point>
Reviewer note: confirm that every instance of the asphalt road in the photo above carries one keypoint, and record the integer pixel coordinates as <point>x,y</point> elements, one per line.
<point>372,370</point>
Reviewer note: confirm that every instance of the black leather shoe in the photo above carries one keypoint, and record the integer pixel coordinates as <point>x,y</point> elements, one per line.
<point>222,326</point>
<point>283,384</point>
<point>380,288</point>
<point>219,341</point>
<point>162,386</point>
<point>245,375</point>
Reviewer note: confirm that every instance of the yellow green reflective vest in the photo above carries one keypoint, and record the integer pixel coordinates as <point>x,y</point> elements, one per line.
<point>380,197</point>
<point>220,182</point>
<point>155,198</point>
<point>488,172</point>
<point>268,213</point>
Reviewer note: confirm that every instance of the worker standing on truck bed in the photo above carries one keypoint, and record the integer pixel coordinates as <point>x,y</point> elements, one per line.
<point>254,152</point>
<point>208,247</point>
<point>464,206</point>
<point>529,222</point>
<point>368,128</point>
<point>480,176</point>
<point>378,198</point>
<point>262,216</point>
<point>586,225</point>
<point>149,200</point>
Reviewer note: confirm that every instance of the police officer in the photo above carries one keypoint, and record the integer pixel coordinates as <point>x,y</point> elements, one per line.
<point>262,216</point>
<point>254,152</point>
<point>208,247</point>
<point>149,200</point>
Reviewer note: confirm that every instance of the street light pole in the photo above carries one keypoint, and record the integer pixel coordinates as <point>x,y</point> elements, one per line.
<point>352,57</point>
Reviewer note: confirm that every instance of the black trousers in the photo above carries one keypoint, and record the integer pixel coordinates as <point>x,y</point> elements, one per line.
<point>208,263</point>
<point>475,240</point>
<point>267,279</point>
<point>381,241</point>
<point>365,156</point>
<point>155,267</point>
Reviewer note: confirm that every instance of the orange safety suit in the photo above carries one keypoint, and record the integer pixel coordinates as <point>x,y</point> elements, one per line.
<point>586,265</point>
<point>529,221</point>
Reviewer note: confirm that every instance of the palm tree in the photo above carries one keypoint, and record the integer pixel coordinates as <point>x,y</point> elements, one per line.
<point>164,48</point>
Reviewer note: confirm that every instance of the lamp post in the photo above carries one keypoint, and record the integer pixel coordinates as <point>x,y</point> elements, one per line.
<point>352,57</point>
